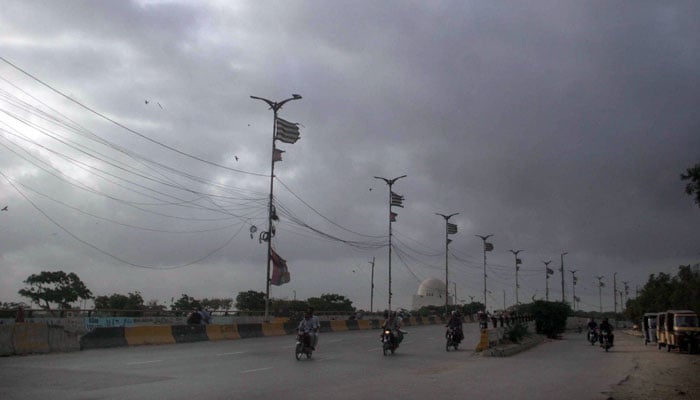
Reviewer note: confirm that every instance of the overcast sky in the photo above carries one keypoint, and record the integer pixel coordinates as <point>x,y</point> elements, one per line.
<point>132,154</point>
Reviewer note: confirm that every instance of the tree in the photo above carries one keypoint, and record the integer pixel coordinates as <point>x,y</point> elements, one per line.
<point>217,304</point>
<point>692,188</point>
<point>250,301</point>
<point>132,302</point>
<point>55,287</point>
<point>185,303</point>
<point>664,292</point>
<point>331,302</point>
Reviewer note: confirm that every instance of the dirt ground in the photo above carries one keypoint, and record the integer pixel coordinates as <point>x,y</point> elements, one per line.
<point>660,375</point>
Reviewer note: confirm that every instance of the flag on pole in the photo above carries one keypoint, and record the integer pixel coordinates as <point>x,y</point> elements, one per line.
<point>287,132</point>
<point>550,271</point>
<point>488,246</point>
<point>396,200</point>
<point>392,216</point>
<point>280,272</point>
<point>277,155</point>
<point>451,229</point>
<point>518,261</point>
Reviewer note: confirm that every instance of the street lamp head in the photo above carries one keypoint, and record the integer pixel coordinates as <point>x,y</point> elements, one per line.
<point>296,96</point>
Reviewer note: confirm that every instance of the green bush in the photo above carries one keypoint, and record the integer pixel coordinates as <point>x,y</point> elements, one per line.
<point>516,333</point>
<point>550,317</point>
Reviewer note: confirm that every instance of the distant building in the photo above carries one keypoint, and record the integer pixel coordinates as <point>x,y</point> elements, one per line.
<point>431,292</point>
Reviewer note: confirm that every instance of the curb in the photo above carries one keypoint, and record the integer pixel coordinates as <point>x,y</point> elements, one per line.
<point>512,349</point>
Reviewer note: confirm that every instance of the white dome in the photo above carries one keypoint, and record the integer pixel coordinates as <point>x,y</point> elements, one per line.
<point>431,287</point>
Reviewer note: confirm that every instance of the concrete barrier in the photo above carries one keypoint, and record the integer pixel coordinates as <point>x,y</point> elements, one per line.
<point>223,332</point>
<point>24,338</point>
<point>339,326</point>
<point>189,333</point>
<point>250,330</point>
<point>61,340</point>
<point>30,338</point>
<point>273,329</point>
<point>6,347</point>
<point>99,338</point>
<point>154,334</point>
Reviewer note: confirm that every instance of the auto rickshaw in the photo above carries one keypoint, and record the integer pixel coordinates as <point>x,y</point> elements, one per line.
<point>661,330</point>
<point>649,327</point>
<point>682,330</point>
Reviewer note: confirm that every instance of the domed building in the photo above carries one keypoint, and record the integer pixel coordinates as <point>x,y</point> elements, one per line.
<point>431,292</point>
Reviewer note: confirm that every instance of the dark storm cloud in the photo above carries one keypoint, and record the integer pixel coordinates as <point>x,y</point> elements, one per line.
<point>556,126</point>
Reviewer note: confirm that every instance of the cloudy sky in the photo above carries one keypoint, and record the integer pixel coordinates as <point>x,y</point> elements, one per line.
<point>132,154</point>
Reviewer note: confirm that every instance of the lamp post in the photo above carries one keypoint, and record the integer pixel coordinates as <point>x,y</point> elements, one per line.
<point>371,295</point>
<point>515,253</point>
<point>447,243</point>
<point>455,293</point>
<point>563,296</point>
<point>573,285</point>
<point>546,280</point>
<point>600,291</point>
<point>275,106</point>
<point>615,292</point>
<point>390,183</point>
<point>483,238</point>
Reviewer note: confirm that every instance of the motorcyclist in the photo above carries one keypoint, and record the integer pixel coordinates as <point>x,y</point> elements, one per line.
<point>455,323</point>
<point>605,326</point>
<point>310,325</point>
<point>592,329</point>
<point>393,323</point>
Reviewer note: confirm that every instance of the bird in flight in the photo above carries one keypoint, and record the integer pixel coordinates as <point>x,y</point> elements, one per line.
<point>236,157</point>
<point>4,208</point>
<point>146,101</point>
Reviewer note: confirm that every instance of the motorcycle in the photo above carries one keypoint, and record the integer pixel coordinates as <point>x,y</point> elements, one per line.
<point>605,342</point>
<point>303,347</point>
<point>389,341</point>
<point>592,336</point>
<point>453,339</point>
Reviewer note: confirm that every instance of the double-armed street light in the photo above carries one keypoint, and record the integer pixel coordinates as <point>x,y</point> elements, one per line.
<point>275,106</point>
<point>449,229</point>
<point>396,200</point>
<point>517,262</point>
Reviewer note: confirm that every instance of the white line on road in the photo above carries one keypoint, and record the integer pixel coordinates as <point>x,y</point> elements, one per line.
<point>230,354</point>
<point>255,370</point>
<point>144,362</point>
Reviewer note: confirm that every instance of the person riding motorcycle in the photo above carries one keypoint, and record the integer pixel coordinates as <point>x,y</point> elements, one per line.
<point>310,325</point>
<point>592,330</point>
<point>455,323</point>
<point>605,326</point>
<point>393,323</point>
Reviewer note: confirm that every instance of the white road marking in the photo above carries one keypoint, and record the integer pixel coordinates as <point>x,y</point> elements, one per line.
<point>255,370</point>
<point>144,362</point>
<point>230,354</point>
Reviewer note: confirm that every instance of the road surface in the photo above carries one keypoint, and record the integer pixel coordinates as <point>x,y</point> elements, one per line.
<point>347,365</point>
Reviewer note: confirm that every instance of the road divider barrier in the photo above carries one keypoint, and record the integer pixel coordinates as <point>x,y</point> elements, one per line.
<point>26,338</point>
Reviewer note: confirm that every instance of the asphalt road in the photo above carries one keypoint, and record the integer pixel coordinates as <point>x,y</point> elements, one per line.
<point>347,365</point>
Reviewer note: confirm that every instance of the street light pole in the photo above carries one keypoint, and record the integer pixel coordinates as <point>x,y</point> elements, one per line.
<point>615,292</point>
<point>371,295</point>
<point>573,285</point>
<point>600,291</point>
<point>483,238</point>
<point>515,253</point>
<point>546,280</point>
<point>275,106</point>
<point>563,296</point>
<point>390,183</point>
<point>447,242</point>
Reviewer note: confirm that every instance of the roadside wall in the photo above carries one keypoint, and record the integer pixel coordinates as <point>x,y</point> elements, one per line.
<point>30,337</point>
